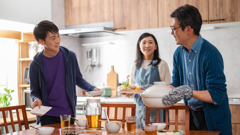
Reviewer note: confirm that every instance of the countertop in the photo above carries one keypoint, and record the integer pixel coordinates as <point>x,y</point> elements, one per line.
<point>121,99</point>
<point>233,99</point>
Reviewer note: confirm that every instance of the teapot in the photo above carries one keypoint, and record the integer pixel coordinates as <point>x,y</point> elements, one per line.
<point>152,96</point>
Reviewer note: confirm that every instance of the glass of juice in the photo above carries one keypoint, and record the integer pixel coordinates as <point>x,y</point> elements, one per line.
<point>131,124</point>
<point>65,120</point>
<point>150,129</point>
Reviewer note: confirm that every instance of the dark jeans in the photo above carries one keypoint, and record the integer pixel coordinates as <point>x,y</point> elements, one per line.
<point>197,120</point>
<point>46,120</point>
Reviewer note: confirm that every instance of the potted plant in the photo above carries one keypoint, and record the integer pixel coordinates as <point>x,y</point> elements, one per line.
<point>5,99</point>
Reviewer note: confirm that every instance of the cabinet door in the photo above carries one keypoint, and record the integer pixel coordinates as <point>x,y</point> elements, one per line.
<point>231,10</point>
<point>216,11</point>
<point>166,7</point>
<point>235,119</point>
<point>135,14</point>
<point>88,11</point>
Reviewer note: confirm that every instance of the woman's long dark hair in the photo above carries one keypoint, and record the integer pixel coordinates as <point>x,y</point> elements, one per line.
<point>139,56</point>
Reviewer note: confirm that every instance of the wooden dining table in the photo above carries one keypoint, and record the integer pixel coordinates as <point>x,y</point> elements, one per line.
<point>103,131</point>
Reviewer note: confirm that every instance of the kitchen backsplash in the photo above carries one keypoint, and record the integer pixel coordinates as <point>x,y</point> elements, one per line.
<point>120,51</point>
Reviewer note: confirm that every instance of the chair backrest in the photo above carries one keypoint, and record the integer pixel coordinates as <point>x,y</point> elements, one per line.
<point>171,117</point>
<point>16,115</point>
<point>120,111</point>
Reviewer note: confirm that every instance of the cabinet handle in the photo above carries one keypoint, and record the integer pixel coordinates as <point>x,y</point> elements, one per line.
<point>217,20</point>
<point>204,20</point>
<point>120,28</point>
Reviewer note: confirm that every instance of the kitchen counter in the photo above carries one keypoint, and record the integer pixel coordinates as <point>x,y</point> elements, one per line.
<point>121,99</point>
<point>233,99</point>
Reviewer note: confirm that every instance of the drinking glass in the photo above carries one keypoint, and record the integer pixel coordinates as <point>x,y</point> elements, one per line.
<point>65,120</point>
<point>131,124</point>
<point>150,129</point>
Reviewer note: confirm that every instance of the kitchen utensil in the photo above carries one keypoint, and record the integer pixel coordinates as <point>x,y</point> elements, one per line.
<point>113,126</point>
<point>34,127</point>
<point>112,80</point>
<point>106,115</point>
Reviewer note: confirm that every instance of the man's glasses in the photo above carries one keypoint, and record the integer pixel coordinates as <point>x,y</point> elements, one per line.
<point>174,28</point>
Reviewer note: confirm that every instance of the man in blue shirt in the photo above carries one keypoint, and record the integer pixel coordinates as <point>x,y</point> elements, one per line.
<point>198,74</point>
<point>54,74</point>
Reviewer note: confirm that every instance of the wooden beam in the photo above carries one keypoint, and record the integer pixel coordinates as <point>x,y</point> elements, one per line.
<point>10,34</point>
<point>27,37</point>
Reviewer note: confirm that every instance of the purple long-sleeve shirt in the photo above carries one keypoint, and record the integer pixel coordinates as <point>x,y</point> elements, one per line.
<point>55,80</point>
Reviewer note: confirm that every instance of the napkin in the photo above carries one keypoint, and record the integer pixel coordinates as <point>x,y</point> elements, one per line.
<point>41,111</point>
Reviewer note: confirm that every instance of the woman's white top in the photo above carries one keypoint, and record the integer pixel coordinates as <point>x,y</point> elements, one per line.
<point>163,69</point>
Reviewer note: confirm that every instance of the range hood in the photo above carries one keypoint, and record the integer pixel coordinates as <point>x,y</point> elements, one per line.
<point>90,30</point>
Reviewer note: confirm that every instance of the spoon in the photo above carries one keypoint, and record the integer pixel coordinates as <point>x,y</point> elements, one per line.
<point>34,127</point>
<point>106,115</point>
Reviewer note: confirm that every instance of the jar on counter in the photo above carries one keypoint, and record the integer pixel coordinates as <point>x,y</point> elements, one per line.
<point>93,113</point>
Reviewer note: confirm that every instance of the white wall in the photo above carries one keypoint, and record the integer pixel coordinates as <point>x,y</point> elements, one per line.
<point>26,11</point>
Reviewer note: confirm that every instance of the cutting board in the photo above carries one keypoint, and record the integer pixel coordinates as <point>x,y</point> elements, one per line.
<point>112,80</point>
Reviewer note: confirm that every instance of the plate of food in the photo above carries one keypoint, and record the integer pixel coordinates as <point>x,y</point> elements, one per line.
<point>127,88</point>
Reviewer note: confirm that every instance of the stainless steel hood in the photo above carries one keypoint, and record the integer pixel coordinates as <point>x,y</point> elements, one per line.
<point>90,30</point>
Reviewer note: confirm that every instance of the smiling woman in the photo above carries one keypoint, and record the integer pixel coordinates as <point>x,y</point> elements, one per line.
<point>8,68</point>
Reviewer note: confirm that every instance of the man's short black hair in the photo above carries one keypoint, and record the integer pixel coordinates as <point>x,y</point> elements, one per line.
<point>188,15</point>
<point>40,31</point>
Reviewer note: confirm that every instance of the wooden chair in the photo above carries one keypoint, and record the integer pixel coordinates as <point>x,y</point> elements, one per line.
<point>19,118</point>
<point>120,110</point>
<point>171,119</point>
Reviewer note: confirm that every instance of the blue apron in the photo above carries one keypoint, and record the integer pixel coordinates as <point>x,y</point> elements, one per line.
<point>145,78</point>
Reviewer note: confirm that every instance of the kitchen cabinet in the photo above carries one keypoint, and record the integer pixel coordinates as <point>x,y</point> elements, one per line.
<point>212,11</point>
<point>231,10</point>
<point>23,62</point>
<point>135,14</point>
<point>235,119</point>
<point>166,7</point>
<point>145,14</point>
<point>88,11</point>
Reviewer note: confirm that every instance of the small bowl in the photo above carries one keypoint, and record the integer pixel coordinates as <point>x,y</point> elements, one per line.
<point>45,130</point>
<point>160,126</point>
<point>95,93</point>
<point>82,123</point>
<point>113,126</point>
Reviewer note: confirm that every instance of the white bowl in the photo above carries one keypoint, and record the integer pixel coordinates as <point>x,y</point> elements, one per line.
<point>82,123</point>
<point>160,126</point>
<point>95,93</point>
<point>113,126</point>
<point>45,130</point>
<point>154,102</point>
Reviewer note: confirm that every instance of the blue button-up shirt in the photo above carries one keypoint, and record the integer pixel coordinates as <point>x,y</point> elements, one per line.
<point>190,60</point>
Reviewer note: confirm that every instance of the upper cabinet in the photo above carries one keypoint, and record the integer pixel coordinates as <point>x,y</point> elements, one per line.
<point>88,11</point>
<point>145,14</point>
<point>166,7</point>
<point>135,14</point>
